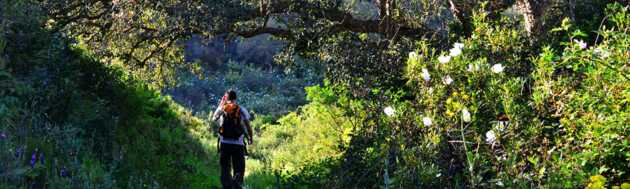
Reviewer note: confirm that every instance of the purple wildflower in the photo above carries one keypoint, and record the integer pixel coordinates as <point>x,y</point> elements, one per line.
<point>63,172</point>
<point>3,135</point>
<point>34,158</point>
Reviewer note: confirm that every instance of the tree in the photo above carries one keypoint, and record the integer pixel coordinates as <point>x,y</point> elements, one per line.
<point>142,32</point>
<point>143,35</point>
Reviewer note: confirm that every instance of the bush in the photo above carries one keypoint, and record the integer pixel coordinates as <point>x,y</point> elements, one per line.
<point>303,148</point>
<point>552,122</point>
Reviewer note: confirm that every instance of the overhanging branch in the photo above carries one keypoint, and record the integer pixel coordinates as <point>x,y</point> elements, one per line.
<point>343,21</point>
<point>264,30</point>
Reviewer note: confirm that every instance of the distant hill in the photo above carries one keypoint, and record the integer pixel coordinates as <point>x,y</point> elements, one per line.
<point>246,65</point>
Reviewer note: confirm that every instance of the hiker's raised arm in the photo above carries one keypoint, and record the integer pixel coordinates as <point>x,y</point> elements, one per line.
<point>217,114</point>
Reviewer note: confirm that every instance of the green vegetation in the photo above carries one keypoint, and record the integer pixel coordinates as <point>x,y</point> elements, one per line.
<point>568,110</point>
<point>414,94</point>
<point>300,148</point>
<point>67,120</point>
<point>565,118</point>
<point>262,91</point>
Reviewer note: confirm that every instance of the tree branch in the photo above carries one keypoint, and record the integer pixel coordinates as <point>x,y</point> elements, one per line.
<point>263,30</point>
<point>344,21</point>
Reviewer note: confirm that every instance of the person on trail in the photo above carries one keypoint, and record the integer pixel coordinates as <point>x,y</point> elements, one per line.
<point>232,118</point>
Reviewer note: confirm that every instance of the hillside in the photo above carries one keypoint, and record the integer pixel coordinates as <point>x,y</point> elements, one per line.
<point>68,120</point>
<point>245,65</point>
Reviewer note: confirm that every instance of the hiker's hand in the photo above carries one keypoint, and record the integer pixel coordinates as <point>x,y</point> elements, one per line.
<point>250,140</point>
<point>223,99</point>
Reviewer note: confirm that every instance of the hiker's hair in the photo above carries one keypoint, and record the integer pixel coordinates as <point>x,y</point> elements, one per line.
<point>231,94</point>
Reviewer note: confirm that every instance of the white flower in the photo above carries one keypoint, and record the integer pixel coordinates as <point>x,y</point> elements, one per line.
<point>413,55</point>
<point>472,67</point>
<point>427,121</point>
<point>580,43</point>
<point>458,45</point>
<point>444,59</point>
<point>602,52</point>
<point>438,175</point>
<point>499,183</point>
<point>497,68</point>
<point>389,111</point>
<point>430,90</point>
<point>501,126</point>
<point>455,52</point>
<point>491,137</point>
<point>425,74</point>
<point>465,115</point>
<point>447,80</point>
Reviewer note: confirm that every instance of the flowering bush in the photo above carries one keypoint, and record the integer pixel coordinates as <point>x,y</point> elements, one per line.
<point>526,120</point>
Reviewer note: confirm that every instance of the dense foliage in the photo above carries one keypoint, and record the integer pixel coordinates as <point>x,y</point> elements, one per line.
<point>416,94</point>
<point>300,150</point>
<point>508,122</point>
<point>489,112</point>
<point>66,120</point>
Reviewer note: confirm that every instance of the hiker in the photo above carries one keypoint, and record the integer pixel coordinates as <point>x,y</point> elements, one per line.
<point>232,118</point>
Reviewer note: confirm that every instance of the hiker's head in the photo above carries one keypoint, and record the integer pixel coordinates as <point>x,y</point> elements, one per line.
<point>231,95</point>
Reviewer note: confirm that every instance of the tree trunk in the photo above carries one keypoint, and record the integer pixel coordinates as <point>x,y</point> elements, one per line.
<point>533,11</point>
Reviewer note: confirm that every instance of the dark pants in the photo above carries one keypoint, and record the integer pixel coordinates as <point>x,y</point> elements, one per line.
<point>232,157</point>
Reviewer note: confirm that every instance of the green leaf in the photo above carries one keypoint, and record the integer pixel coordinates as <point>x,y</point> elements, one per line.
<point>533,160</point>
<point>363,36</point>
<point>578,33</point>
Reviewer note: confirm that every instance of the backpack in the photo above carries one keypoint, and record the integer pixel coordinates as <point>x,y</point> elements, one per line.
<point>231,125</point>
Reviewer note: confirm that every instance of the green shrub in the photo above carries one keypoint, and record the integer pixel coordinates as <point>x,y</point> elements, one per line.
<point>302,149</point>
<point>568,112</point>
